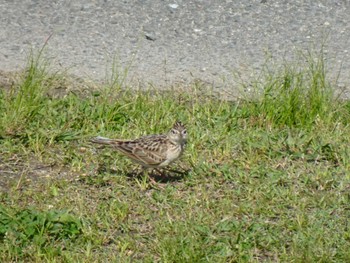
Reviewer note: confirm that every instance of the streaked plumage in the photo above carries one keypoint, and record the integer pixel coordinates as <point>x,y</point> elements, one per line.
<point>152,151</point>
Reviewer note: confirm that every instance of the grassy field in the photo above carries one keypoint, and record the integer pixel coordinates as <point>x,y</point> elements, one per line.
<point>266,177</point>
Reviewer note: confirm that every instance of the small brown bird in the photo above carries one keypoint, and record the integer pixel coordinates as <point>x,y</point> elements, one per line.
<point>152,151</point>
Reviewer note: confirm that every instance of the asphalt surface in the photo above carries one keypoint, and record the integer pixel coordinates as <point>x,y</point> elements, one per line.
<point>175,41</point>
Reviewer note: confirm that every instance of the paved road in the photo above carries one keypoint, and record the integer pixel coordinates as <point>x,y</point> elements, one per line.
<point>170,41</point>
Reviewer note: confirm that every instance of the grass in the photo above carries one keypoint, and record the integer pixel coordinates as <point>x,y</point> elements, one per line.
<point>267,176</point>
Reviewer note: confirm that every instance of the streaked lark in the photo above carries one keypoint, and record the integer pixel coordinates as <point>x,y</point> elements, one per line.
<point>152,151</point>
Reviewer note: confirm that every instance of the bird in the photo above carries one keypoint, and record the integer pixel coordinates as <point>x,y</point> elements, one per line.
<point>151,151</point>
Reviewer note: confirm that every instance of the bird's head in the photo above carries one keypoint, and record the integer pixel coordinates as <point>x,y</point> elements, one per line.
<point>178,133</point>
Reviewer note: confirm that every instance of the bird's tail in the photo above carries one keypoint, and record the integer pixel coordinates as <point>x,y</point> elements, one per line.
<point>102,140</point>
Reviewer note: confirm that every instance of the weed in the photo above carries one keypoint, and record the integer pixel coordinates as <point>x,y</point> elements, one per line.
<point>296,96</point>
<point>266,177</point>
<point>25,228</point>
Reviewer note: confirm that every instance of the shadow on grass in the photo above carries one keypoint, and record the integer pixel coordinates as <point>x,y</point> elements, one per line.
<point>163,176</point>
<point>166,176</point>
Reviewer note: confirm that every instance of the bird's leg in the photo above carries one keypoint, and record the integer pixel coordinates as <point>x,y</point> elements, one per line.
<point>159,171</point>
<point>145,173</point>
<point>153,182</point>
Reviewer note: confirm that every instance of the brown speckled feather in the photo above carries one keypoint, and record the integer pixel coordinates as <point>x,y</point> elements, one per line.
<point>149,150</point>
<point>153,150</point>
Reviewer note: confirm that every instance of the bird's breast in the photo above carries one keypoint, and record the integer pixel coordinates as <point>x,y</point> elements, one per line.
<point>173,153</point>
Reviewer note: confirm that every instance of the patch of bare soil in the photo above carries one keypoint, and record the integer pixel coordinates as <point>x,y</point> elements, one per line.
<point>17,171</point>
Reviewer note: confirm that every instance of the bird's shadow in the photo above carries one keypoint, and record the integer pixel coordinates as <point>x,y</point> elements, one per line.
<point>165,176</point>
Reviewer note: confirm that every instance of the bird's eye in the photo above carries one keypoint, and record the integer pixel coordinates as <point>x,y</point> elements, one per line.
<point>184,132</point>
<point>173,131</point>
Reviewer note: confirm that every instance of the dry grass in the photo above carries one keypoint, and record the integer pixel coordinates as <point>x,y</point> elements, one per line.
<point>266,179</point>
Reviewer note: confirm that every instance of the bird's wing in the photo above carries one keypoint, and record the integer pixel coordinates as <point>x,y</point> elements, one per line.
<point>140,152</point>
<point>148,150</point>
<point>149,157</point>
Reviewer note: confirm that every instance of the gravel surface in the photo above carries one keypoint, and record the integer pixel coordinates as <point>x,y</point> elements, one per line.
<point>171,41</point>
